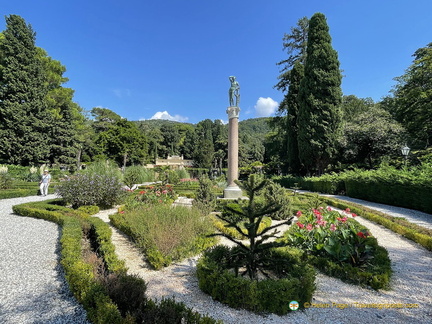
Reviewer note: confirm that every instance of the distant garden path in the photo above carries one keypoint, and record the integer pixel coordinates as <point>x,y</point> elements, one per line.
<point>411,284</point>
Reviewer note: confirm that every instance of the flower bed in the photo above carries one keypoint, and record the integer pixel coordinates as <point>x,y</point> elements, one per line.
<point>339,246</point>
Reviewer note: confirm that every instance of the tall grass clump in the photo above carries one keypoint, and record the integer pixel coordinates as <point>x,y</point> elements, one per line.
<point>165,233</point>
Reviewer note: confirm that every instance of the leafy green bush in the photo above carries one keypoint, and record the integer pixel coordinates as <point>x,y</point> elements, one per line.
<point>205,199</point>
<point>274,193</point>
<point>165,234</point>
<point>134,174</point>
<point>5,180</point>
<point>293,280</point>
<point>91,189</point>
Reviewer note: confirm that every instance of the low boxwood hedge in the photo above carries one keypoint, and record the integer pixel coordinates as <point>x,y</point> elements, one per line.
<point>296,281</point>
<point>92,293</point>
<point>79,274</point>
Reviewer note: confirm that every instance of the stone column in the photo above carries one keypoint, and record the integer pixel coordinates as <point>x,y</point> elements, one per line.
<point>232,190</point>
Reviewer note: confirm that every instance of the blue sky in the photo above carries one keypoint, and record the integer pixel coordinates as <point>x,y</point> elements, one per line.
<point>172,58</point>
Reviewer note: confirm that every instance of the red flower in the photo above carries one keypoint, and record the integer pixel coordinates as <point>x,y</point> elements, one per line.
<point>309,227</point>
<point>361,234</point>
<point>121,212</point>
<point>142,192</point>
<point>300,225</point>
<point>299,213</point>
<point>343,220</point>
<point>354,215</point>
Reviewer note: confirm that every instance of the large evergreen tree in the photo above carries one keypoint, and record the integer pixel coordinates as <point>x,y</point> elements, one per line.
<point>292,102</point>
<point>23,90</point>
<point>412,104</point>
<point>320,97</point>
<point>284,134</point>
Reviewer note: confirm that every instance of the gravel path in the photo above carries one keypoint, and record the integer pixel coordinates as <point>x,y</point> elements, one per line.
<point>33,289</point>
<point>413,216</point>
<point>408,301</point>
<point>32,284</point>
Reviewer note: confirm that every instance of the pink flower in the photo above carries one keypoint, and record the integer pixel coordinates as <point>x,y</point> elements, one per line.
<point>165,192</point>
<point>309,227</point>
<point>343,220</point>
<point>354,215</point>
<point>322,223</point>
<point>299,213</point>
<point>329,208</point>
<point>121,212</point>
<point>300,225</point>
<point>333,227</point>
<point>347,210</point>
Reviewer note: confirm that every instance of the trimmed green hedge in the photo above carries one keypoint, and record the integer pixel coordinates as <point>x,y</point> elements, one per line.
<point>92,293</point>
<point>409,188</point>
<point>79,274</point>
<point>409,195</point>
<point>297,281</point>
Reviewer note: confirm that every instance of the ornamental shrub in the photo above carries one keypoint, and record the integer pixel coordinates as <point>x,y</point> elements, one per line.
<point>205,199</point>
<point>134,174</point>
<point>293,279</point>
<point>91,189</point>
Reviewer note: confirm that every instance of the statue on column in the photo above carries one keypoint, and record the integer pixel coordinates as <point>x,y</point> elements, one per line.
<point>234,92</point>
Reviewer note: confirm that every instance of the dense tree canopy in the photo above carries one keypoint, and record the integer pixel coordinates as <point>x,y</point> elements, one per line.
<point>24,118</point>
<point>412,101</point>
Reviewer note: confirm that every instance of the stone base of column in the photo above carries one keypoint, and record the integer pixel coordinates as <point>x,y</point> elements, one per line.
<point>232,192</point>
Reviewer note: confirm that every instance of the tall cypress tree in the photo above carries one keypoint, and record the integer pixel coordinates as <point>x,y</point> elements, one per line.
<point>23,113</point>
<point>292,102</point>
<point>319,120</point>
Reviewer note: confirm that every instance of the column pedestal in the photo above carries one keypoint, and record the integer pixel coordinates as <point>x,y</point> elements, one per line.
<point>232,191</point>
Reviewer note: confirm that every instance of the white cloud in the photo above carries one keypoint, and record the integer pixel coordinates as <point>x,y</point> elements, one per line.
<point>167,116</point>
<point>265,107</point>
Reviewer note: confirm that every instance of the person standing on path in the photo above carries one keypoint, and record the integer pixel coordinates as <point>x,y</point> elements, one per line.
<point>44,183</point>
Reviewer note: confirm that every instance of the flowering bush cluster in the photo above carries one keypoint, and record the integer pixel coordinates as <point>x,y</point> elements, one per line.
<point>85,189</point>
<point>155,194</point>
<point>325,232</point>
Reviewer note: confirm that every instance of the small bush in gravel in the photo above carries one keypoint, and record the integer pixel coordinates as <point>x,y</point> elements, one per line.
<point>91,189</point>
<point>293,279</point>
<point>205,199</point>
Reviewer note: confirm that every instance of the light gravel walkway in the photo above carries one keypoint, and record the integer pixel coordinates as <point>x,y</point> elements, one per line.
<point>410,297</point>
<point>32,284</point>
